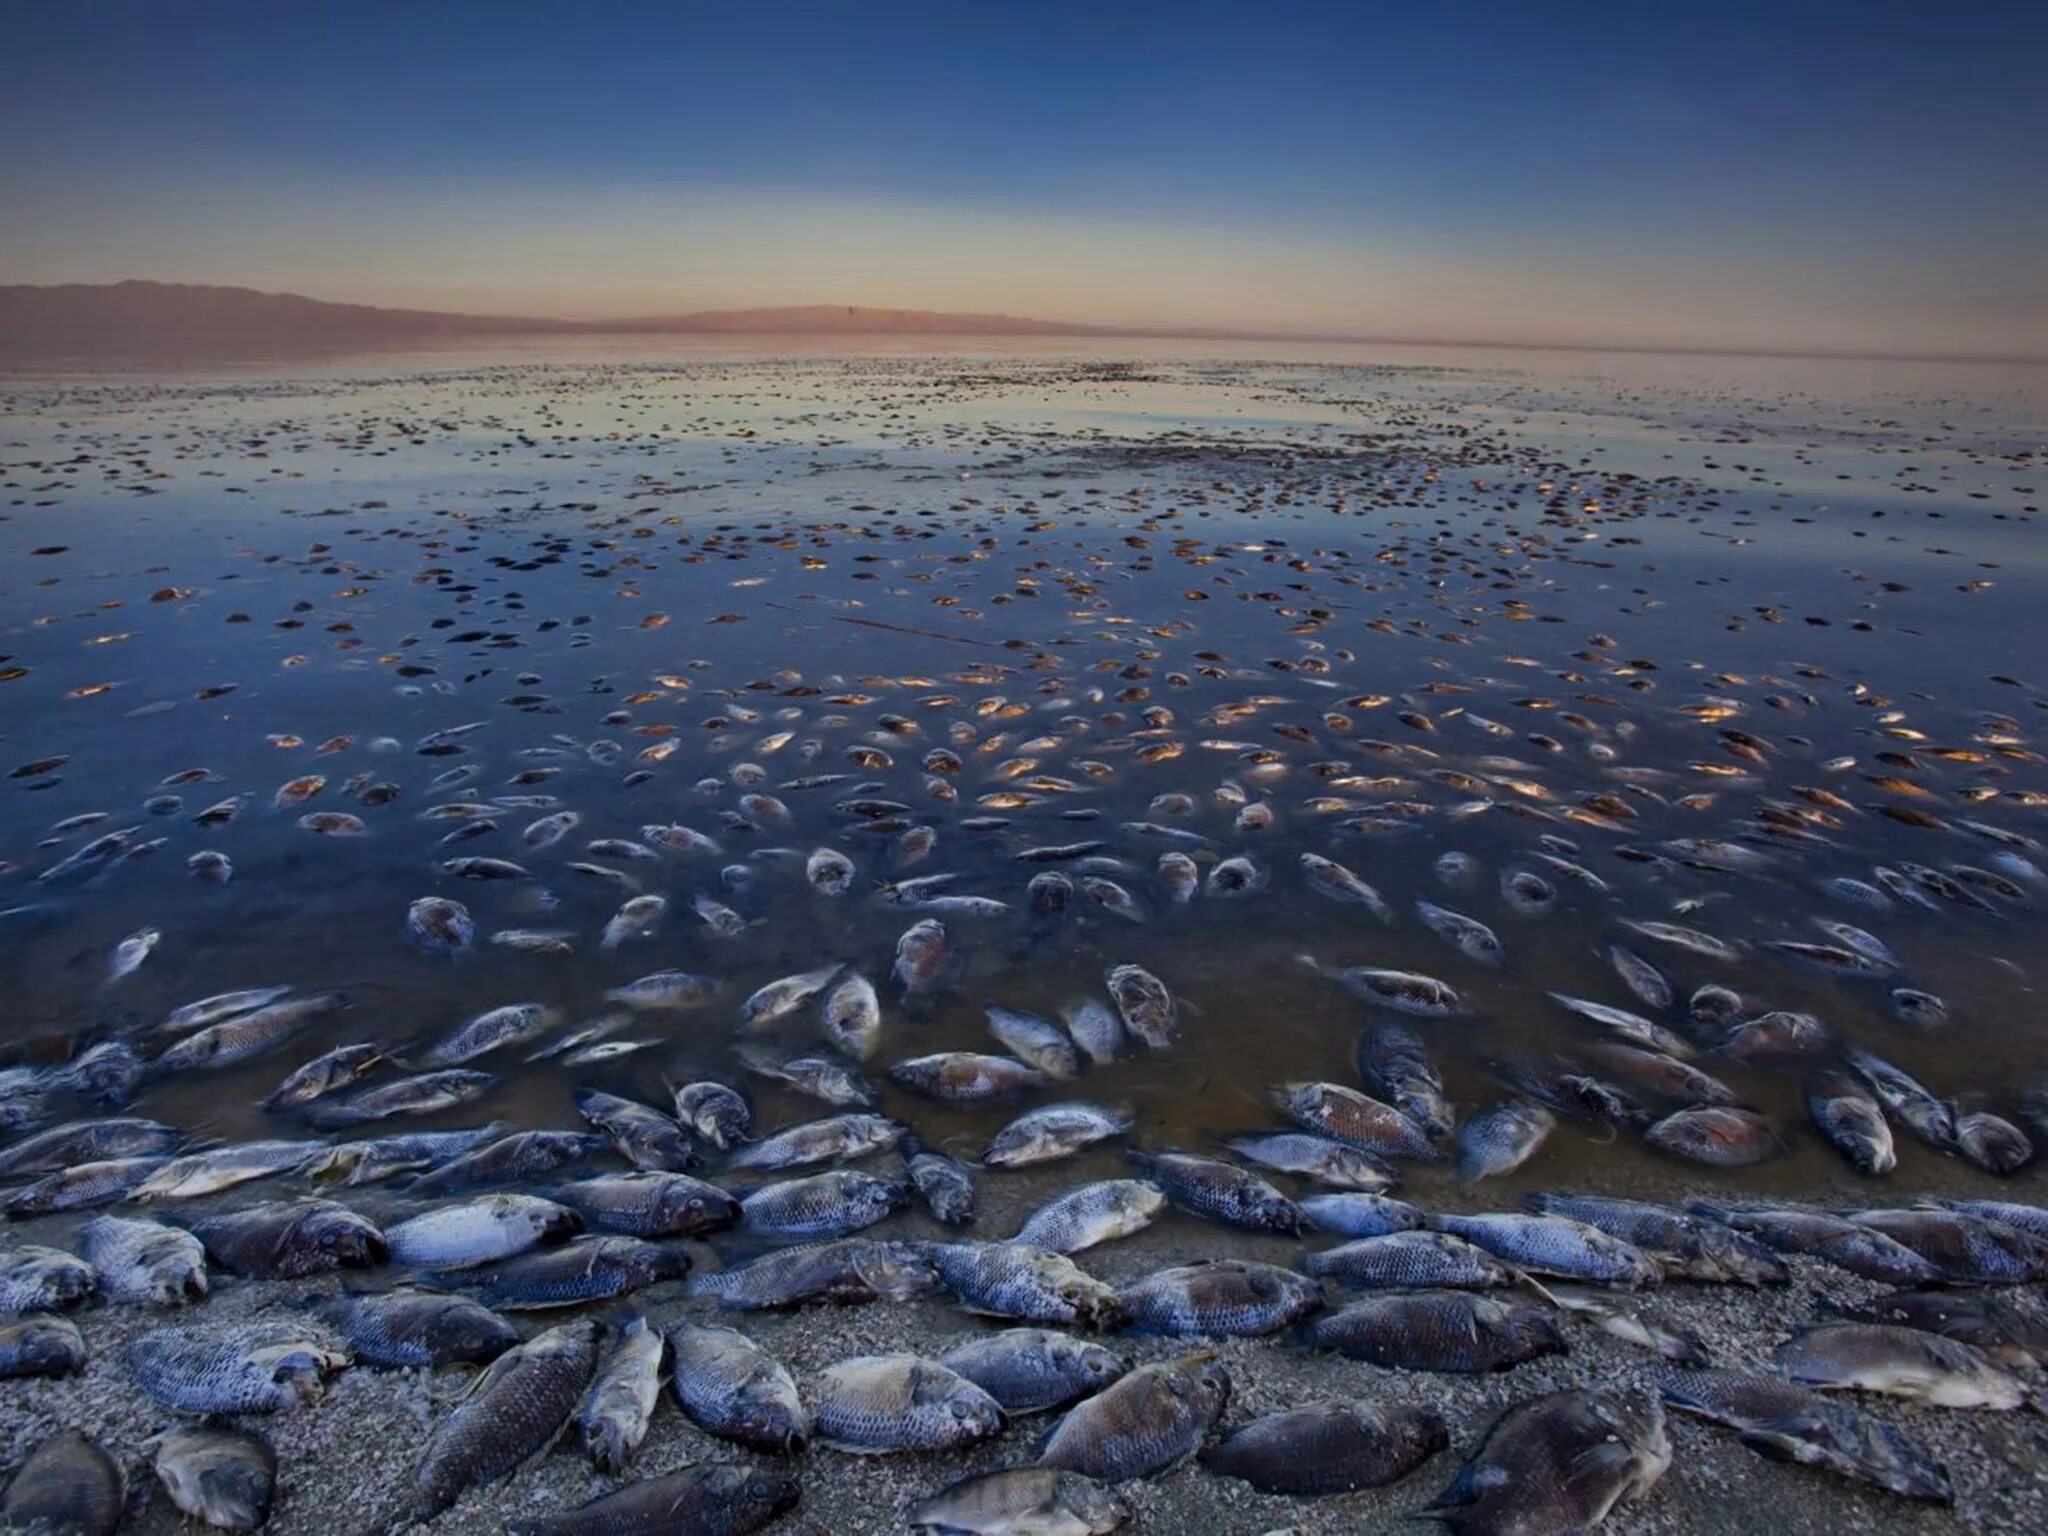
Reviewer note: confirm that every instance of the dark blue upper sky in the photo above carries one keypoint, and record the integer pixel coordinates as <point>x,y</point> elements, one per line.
<point>1874,173</point>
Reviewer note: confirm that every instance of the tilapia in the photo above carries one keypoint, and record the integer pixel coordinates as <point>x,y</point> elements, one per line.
<point>34,1278</point>
<point>1016,1280</point>
<point>649,1204</point>
<point>144,1261</point>
<point>585,1269</point>
<point>1144,1424</point>
<point>731,1387</point>
<point>225,1477</point>
<point>836,1203</point>
<point>260,1365</point>
<point>517,1408</point>
<point>67,1486</point>
<point>614,1416</point>
<point>1218,1296</point>
<point>1557,1464</point>
<point>1092,1213</point>
<point>1903,1362</point>
<point>874,1404</point>
<point>1439,1330</point>
<point>1336,1446</point>
<point>1054,1131</point>
<point>479,1231</point>
<point>402,1328</point>
<point>290,1239</point>
<point>1021,1501</point>
<point>1221,1191</point>
<point>1788,1423</point>
<point>40,1345</point>
<point>855,1269</point>
<point>712,1498</point>
<point>1033,1370</point>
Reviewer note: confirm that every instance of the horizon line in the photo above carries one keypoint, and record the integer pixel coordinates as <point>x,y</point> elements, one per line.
<point>651,323</point>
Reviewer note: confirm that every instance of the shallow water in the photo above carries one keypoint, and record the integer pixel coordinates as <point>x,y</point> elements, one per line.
<point>1374,575</point>
<point>224,573</point>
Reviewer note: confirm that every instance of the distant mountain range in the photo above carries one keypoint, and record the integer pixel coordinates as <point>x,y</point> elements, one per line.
<point>147,320</point>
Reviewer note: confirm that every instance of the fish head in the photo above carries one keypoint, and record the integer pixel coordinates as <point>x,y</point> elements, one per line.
<point>773,1422</point>
<point>353,1241</point>
<point>549,1220</point>
<point>1637,1421</point>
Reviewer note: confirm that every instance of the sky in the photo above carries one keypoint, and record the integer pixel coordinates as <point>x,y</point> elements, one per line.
<point>1831,176</point>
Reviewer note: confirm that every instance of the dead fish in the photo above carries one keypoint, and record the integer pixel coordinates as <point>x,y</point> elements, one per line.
<point>1220,1191</point>
<point>666,992</point>
<point>1788,1423</point>
<point>881,1403</point>
<point>1555,1245</point>
<point>405,1328</point>
<point>1965,1249</point>
<point>829,872</point>
<point>1393,1060</point>
<point>919,953</point>
<point>1398,991</point>
<point>262,1365</point>
<point>143,1262</point>
<point>1902,1362</point>
<point>714,1112</point>
<point>1334,1164</point>
<point>207,1173</point>
<point>1651,987</point>
<point>1467,935</point>
<point>1016,1280</point>
<point>1852,1122</point>
<point>1144,1424</point>
<point>1407,1259</point>
<point>66,1486</point>
<point>1032,1370</point>
<point>440,926</point>
<point>288,1240</point>
<point>1438,1330</point>
<point>248,1035</point>
<point>1329,878</point>
<point>1502,1137</point>
<point>34,1278</point>
<point>837,1137</point>
<point>729,1386</point>
<point>492,1030</point>
<point>1041,1043</point>
<point>1849,1245</point>
<point>1632,1028</point>
<point>1218,1296</point>
<point>585,1269</point>
<point>1689,939</point>
<point>1092,1213</point>
<point>1558,1463</point>
<point>223,1476</point>
<point>1685,1246</point>
<point>712,1496</point>
<point>1330,1447</point>
<point>129,954</point>
<point>637,918</point>
<point>644,1137</point>
<point>1354,1118</point>
<point>1625,1317</point>
<point>854,1269</point>
<point>783,996</point>
<point>1719,1136</point>
<point>517,1408</point>
<point>1021,1500</point>
<point>1144,1005</point>
<point>966,1077</point>
<point>614,1417</point>
<point>425,1093</point>
<point>40,1346</point>
<point>1054,1131</point>
<point>326,1073</point>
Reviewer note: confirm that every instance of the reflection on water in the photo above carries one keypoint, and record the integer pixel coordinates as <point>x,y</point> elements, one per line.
<point>1714,632</point>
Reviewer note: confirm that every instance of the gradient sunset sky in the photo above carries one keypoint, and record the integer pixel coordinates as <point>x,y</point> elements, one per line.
<point>1814,175</point>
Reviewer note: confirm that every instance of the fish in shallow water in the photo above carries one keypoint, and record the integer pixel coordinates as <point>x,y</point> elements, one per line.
<point>1336,1446</point>
<point>650,1204</point>
<point>1397,991</point>
<point>224,1477</point>
<point>1686,1247</point>
<point>1144,1424</point>
<point>518,1406</point>
<point>1054,1131</point>
<point>1092,1213</point>
<point>729,1386</point>
<point>1502,1137</point>
<point>1558,1464</point>
<point>1788,1423</point>
<point>714,1112</point>
<point>1407,1260</point>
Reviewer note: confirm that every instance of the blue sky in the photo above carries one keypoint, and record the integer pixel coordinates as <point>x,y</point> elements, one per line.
<point>1818,175</point>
